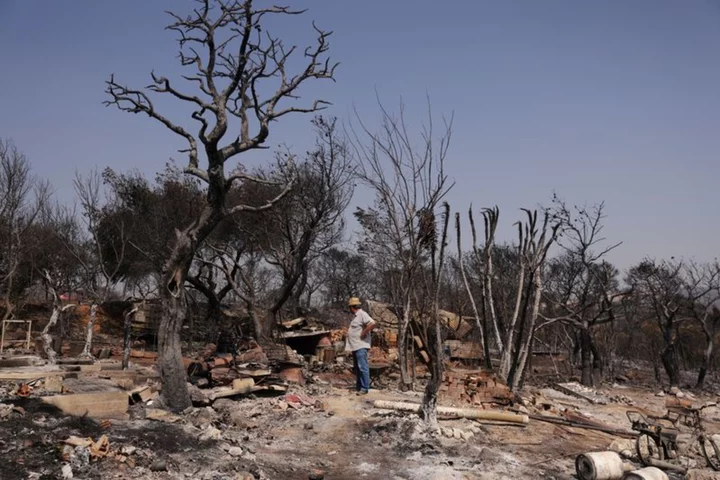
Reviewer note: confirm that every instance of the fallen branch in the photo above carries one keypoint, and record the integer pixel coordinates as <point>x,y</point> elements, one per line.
<point>460,412</point>
<point>560,421</point>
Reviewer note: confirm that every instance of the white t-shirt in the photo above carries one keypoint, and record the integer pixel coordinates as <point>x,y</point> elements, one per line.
<point>357,325</point>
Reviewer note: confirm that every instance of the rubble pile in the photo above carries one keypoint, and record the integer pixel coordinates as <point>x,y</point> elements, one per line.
<point>474,387</point>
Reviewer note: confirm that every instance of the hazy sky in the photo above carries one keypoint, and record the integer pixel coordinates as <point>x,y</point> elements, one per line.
<point>598,100</point>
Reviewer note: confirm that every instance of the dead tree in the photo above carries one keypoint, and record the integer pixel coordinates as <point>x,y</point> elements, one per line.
<point>128,316</point>
<point>22,198</point>
<point>484,257</point>
<point>309,220</point>
<point>534,241</point>
<point>702,291</point>
<point>539,242</point>
<point>100,266</point>
<point>407,182</point>
<point>479,320</point>
<point>435,350</point>
<point>523,257</point>
<point>235,61</point>
<point>583,287</point>
<point>658,288</point>
<point>58,310</point>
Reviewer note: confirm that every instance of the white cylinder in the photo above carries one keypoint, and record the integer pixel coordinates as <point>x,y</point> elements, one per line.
<point>599,466</point>
<point>647,473</point>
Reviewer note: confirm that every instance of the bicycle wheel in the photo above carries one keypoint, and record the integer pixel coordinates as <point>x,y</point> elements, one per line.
<point>647,448</point>
<point>713,456</point>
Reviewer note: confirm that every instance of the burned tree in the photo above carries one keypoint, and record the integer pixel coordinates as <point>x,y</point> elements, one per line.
<point>235,61</point>
<point>702,292</point>
<point>57,311</point>
<point>658,289</point>
<point>287,240</point>
<point>534,242</point>
<point>100,266</point>
<point>434,333</point>
<point>407,182</point>
<point>583,288</point>
<point>484,257</point>
<point>23,197</point>
<point>309,220</point>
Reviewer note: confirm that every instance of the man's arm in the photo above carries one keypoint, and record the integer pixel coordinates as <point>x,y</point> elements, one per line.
<point>369,327</point>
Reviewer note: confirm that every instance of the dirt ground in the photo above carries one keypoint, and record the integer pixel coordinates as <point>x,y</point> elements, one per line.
<point>334,435</point>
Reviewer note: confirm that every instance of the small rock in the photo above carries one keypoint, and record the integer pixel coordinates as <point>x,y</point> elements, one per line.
<point>660,394</point>
<point>67,472</point>
<point>674,390</point>
<point>448,432</point>
<point>680,394</point>
<point>204,416</point>
<point>235,451</point>
<point>128,450</point>
<point>622,378</point>
<point>158,465</point>
<point>467,435</point>
<point>489,455</point>
<point>54,384</point>
<point>240,419</point>
<point>210,433</point>
<point>224,405</point>
<point>624,447</point>
<point>523,409</point>
<point>81,457</point>
<point>308,426</point>
<point>415,456</point>
<point>316,474</point>
<point>457,433</point>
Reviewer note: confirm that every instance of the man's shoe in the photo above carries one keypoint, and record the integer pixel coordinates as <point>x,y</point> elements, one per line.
<point>362,392</point>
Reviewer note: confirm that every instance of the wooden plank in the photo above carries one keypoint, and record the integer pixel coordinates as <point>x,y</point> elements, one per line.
<point>95,405</point>
<point>240,386</point>
<point>82,368</point>
<point>245,372</point>
<point>75,361</point>
<point>31,374</point>
<point>24,361</point>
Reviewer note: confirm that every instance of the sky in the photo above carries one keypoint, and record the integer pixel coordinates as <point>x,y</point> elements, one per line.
<point>612,101</point>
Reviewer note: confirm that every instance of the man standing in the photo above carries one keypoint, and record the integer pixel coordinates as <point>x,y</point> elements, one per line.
<point>358,342</point>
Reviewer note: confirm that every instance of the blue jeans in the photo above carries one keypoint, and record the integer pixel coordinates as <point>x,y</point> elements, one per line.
<point>362,370</point>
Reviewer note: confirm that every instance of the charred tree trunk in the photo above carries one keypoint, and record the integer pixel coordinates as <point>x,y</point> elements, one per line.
<point>174,382</point>
<point>669,361</point>
<point>47,339</point>
<point>127,330</point>
<point>707,359</point>
<point>519,338</point>
<point>174,304</point>
<point>405,380</point>
<point>526,350</point>
<point>429,404</point>
<point>586,376</point>
<point>212,315</point>
<point>506,356</point>
<point>87,350</point>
